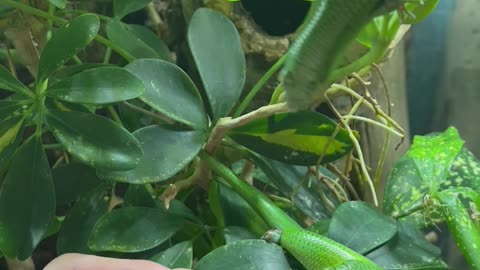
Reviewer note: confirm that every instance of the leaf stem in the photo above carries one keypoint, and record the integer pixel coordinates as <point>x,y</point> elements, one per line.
<point>45,15</point>
<point>114,115</point>
<point>258,86</point>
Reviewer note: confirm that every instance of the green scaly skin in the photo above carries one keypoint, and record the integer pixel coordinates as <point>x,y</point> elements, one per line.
<point>314,251</point>
<point>330,27</point>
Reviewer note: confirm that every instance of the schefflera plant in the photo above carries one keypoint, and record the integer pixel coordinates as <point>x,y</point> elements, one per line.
<point>65,108</point>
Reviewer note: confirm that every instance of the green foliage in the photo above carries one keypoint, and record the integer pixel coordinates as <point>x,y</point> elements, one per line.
<point>247,254</point>
<point>133,229</point>
<point>80,220</point>
<point>177,97</point>
<point>67,42</point>
<point>23,226</point>
<point>301,138</point>
<point>167,151</point>
<point>375,230</point>
<point>99,143</point>
<point>216,49</point>
<point>180,255</point>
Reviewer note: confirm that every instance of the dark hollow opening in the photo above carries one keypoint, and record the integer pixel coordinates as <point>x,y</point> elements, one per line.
<point>277,17</point>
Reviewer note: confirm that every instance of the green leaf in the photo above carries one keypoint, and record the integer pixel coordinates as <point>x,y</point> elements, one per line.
<point>66,42</point>
<point>169,90</point>
<point>119,33</point>
<point>68,71</point>
<point>72,181</point>
<point>124,7</point>
<point>7,131</point>
<point>464,172</point>
<point>299,138</point>
<point>9,83</point>
<point>288,179</point>
<point>235,233</point>
<point>152,40</point>
<point>10,109</point>
<point>80,220</point>
<point>178,256</point>
<point>133,229</point>
<point>27,201</point>
<point>166,152</point>
<point>217,51</point>
<point>54,227</point>
<point>371,33</point>
<point>98,86</point>
<point>138,195</point>
<point>58,3</point>
<point>245,254</point>
<point>418,12</point>
<point>465,232</point>
<point>361,227</point>
<point>95,140</point>
<point>421,170</point>
<point>408,250</point>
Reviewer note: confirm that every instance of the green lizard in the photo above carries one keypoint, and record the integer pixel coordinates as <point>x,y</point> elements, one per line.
<point>314,251</point>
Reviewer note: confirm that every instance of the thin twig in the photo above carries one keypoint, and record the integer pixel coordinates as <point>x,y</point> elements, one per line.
<point>227,123</point>
<point>357,147</point>
<point>346,181</point>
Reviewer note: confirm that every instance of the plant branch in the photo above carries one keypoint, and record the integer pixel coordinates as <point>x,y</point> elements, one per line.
<point>227,123</point>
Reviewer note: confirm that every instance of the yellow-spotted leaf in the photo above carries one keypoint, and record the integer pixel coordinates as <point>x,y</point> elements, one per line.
<point>300,138</point>
<point>426,169</point>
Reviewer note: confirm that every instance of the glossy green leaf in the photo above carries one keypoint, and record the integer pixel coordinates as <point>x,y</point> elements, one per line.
<point>25,216</point>
<point>133,229</point>
<point>58,3</point>
<point>178,256</point>
<point>463,229</point>
<point>217,51</point>
<point>68,71</point>
<point>10,109</point>
<point>464,172</point>
<point>408,250</point>
<point>95,140</point>
<point>138,195</point>
<point>54,227</point>
<point>66,42</point>
<point>81,219</point>
<point>98,86</point>
<point>421,170</point>
<point>8,131</point>
<point>119,33</point>
<point>235,233</point>
<point>418,12</point>
<point>152,40</point>
<point>299,138</point>
<point>124,7</point>
<point>10,138</point>
<point>245,254</point>
<point>371,33</point>
<point>169,90</point>
<point>166,152</point>
<point>288,179</point>
<point>72,181</point>
<point>9,83</point>
<point>361,227</point>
